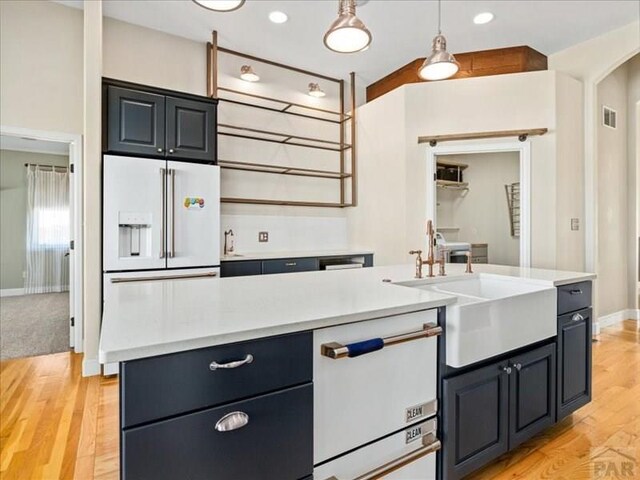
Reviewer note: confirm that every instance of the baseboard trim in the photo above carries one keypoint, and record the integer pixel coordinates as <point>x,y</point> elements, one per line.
<point>90,367</point>
<point>11,292</point>
<point>617,317</point>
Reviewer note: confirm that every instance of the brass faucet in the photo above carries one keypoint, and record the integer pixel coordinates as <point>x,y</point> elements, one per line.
<point>469,269</point>
<point>431,261</point>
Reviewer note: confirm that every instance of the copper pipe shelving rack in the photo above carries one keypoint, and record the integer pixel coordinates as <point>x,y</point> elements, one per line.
<point>278,105</point>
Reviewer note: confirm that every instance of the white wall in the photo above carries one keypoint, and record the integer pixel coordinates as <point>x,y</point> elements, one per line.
<point>481,214</point>
<point>633,177</point>
<point>395,170</point>
<point>41,66</point>
<point>612,196</point>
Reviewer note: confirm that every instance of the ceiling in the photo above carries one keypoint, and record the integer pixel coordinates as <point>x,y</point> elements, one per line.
<point>22,144</point>
<point>402,30</point>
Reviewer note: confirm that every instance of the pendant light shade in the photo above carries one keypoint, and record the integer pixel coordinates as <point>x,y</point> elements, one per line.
<point>440,64</point>
<point>347,34</point>
<point>248,75</point>
<point>220,5</point>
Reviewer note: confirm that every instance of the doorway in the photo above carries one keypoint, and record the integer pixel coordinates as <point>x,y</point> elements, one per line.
<point>478,196</point>
<point>40,279</point>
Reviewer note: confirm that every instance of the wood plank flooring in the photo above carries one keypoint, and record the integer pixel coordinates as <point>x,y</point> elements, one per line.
<point>54,424</point>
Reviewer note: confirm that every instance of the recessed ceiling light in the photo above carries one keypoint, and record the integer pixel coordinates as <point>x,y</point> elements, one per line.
<point>482,18</point>
<point>278,17</point>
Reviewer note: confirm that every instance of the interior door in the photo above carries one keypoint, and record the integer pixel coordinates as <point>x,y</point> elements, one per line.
<point>134,215</point>
<point>193,203</point>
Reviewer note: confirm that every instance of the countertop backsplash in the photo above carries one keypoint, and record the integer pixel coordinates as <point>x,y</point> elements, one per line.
<point>286,233</point>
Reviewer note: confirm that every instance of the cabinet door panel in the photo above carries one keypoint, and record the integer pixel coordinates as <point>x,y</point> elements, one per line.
<point>191,130</point>
<point>532,386</point>
<point>135,122</point>
<point>240,268</point>
<point>574,362</point>
<point>475,419</point>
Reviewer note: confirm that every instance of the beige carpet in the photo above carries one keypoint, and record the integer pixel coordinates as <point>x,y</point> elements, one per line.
<point>34,325</point>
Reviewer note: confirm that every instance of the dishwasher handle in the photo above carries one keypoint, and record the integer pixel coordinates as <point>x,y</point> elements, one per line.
<point>337,350</point>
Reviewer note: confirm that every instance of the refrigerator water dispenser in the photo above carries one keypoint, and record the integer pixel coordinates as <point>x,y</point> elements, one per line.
<point>135,234</point>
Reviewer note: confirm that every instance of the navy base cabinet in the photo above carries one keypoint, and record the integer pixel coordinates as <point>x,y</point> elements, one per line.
<point>492,409</point>
<point>227,412</point>
<point>574,361</point>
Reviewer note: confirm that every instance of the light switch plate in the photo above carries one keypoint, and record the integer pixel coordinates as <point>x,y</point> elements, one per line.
<point>575,224</point>
<point>263,237</point>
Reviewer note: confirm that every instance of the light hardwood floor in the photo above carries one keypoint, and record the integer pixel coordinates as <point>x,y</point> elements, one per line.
<point>54,424</point>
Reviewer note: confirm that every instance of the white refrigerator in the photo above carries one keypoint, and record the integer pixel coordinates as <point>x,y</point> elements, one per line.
<point>160,220</point>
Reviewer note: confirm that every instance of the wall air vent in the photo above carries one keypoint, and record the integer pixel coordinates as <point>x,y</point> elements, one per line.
<point>609,117</point>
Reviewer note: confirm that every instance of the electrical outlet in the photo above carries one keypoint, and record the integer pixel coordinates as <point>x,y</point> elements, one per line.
<point>263,237</point>
<point>575,224</point>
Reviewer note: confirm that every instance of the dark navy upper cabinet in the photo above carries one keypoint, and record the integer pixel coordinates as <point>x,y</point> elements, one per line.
<point>136,122</point>
<point>191,129</point>
<point>154,122</point>
<point>532,387</point>
<point>574,361</point>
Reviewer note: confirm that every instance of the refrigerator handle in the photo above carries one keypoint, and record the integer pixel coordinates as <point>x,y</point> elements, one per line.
<point>172,173</point>
<point>163,182</point>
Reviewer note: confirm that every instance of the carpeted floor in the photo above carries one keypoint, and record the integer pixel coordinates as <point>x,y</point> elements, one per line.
<point>34,325</point>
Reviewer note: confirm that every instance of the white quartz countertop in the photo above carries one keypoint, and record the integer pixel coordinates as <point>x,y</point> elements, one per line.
<point>149,318</point>
<point>292,254</point>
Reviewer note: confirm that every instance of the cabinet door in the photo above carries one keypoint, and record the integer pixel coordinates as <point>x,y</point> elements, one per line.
<point>475,419</point>
<point>240,268</point>
<point>135,122</point>
<point>273,440</point>
<point>191,130</point>
<point>532,385</point>
<point>574,361</point>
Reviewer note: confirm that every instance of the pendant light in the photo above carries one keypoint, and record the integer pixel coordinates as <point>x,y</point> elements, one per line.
<point>220,5</point>
<point>440,64</point>
<point>347,34</point>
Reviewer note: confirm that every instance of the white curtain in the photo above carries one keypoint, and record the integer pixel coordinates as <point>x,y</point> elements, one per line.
<point>48,226</point>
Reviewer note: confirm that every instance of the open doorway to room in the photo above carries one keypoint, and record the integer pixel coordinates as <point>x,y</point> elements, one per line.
<point>481,200</point>
<point>39,298</point>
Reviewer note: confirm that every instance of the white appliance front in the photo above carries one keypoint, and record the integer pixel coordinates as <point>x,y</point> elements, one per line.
<point>133,219</point>
<point>193,215</point>
<point>406,455</point>
<point>387,389</point>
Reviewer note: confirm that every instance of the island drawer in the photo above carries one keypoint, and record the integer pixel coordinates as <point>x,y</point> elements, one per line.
<point>288,265</point>
<point>187,381</point>
<point>267,437</point>
<point>573,297</point>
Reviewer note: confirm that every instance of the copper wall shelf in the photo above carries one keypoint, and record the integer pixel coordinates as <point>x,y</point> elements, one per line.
<point>521,134</point>
<point>287,106</point>
<point>282,170</point>
<point>283,138</point>
<point>344,173</point>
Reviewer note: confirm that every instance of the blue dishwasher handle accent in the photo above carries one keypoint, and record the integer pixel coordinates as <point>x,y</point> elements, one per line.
<point>367,346</point>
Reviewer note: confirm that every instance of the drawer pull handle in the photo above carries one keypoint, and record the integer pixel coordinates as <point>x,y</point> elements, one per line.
<point>232,421</point>
<point>290,264</point>
<point>576,292</point>
<point>337,350</point>
<point>238,363</point>
<point>400,462</point>
<point>577,318</point>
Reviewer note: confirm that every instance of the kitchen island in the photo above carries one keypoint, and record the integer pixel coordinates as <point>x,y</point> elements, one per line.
<point>289,376</point>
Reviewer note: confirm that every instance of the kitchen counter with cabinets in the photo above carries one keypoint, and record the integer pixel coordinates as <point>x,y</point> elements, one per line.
<point>293,368</point>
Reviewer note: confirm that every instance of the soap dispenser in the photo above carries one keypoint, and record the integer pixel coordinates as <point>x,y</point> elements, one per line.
<point>228,243</point>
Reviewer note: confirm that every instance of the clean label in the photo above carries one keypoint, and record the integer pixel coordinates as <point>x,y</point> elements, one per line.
<point>412,413</point>
<point>414,433</point>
